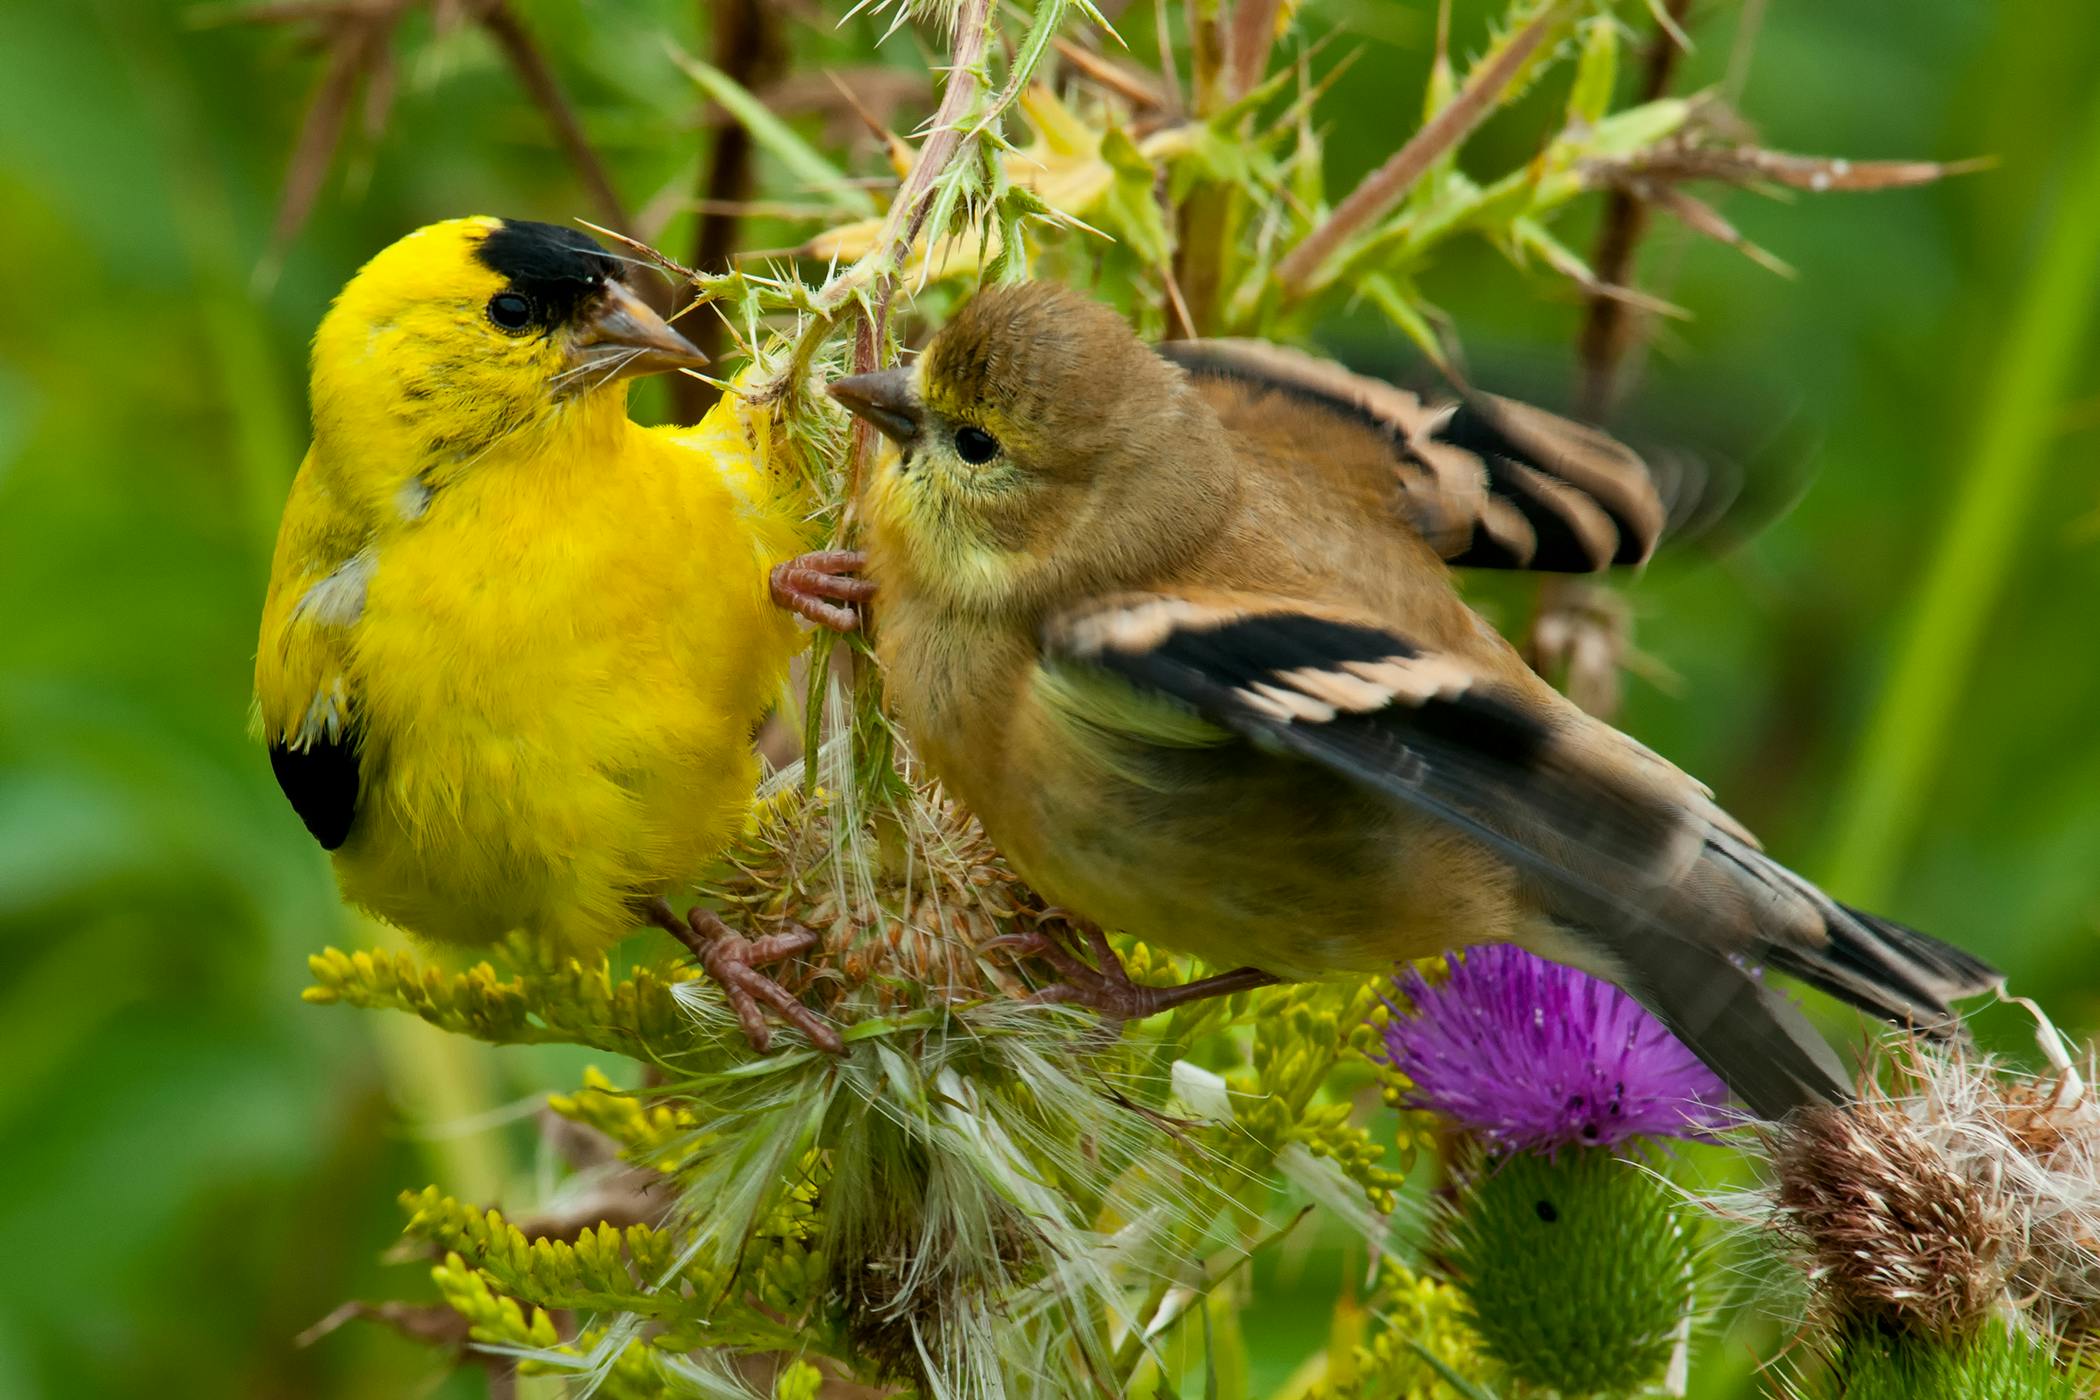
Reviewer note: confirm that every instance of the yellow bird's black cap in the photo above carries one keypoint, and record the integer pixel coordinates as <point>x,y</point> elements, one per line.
<point>557,269</point>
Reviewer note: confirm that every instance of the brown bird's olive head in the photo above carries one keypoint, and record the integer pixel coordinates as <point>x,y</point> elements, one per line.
<point>1035,420</point>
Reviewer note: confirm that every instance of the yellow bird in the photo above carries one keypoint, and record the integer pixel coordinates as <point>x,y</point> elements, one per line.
<point>1178,626</point>
<point>515,645</point>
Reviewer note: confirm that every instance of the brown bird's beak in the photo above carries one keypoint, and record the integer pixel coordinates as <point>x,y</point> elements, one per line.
<point>621,338</point>
<point>885,399</point>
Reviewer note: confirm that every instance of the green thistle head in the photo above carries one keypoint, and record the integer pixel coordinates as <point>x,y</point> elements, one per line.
<point>1576,1269</point>
<point>1997,1364</point>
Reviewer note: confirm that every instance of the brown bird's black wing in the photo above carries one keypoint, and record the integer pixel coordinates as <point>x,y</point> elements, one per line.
<point>1491,483</point>
<point>1418,725</point>
<point>1648,882</point>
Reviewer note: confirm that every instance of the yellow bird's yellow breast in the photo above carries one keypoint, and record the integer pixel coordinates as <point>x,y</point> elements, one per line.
<point>558,669</point>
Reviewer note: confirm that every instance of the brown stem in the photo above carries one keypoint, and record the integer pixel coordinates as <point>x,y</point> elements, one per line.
<point>1248,41</point>
<point>1611,325</point>
<point>907,216</point>
<point>1389,183</point>
<point>867,356</point>
<point>538,80</point>
<point>1206,226</point>
<point>1206,56</point>
<point>320,130</point>
<point>1205,235</point>
<point>749,48</point>
<point>914,202</point>
<point>1140,90</point>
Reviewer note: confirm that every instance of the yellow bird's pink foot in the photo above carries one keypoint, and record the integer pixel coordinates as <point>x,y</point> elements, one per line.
<point>733,960</point>
<point>823,588</point>
<point>1104,985</point>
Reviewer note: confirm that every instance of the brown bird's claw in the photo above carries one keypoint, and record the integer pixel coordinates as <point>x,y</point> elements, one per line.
<point>733,960</point>
<point>815,585</point>
<point>1105,986</point>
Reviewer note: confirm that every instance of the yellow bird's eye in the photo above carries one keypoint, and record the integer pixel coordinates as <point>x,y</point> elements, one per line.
<point>510,311</point>
<point>975,445</point>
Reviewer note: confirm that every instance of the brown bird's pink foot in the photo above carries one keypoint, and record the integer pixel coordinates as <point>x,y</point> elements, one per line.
<point>733,960</point>
<point>822,587</point>
<point>1105,986</point>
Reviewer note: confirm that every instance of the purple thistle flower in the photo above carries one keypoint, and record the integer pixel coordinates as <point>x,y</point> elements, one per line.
<point>1535,1056</point>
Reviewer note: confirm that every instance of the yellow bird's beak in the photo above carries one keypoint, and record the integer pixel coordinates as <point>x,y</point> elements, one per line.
<point>622,338</point>
<point>885,399</point>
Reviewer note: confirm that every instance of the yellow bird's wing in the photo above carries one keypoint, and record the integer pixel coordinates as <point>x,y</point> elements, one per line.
<point>1489,482</point>
<point>304,685</point>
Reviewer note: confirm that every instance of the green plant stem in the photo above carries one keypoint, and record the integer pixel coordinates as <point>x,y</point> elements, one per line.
<point>1206,57</point>
<point>1936,654</point>
<point>1386,186</point>
<point>1209,213</point>
<point>1209,219</point>
<point>1611,327</point>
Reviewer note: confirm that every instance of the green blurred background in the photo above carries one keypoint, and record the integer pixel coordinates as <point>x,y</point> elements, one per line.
<point>1895,683</point>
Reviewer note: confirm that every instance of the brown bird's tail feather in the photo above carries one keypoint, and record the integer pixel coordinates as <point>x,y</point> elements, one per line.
<point>1897,973</point>
<point>1748,1033</point>
<point>1873,963</point>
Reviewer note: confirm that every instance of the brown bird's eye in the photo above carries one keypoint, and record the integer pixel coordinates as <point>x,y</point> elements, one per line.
<point>510,311</point>
<point>975,445</point>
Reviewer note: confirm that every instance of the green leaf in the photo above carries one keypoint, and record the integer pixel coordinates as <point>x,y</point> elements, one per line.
<point>1595,72</point>
<point>1559,16</point>
<point>1048,18</point>
<point>1397,300</point>
<point>1226,118</point>
<point>1490,210</point>
<point>1636,129</point>
<point>800,1381</point>
<point>1130,210</point>
<point>1981,545</point>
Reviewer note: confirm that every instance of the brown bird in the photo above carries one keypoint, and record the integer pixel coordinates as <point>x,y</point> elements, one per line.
<point>1178,626</point>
